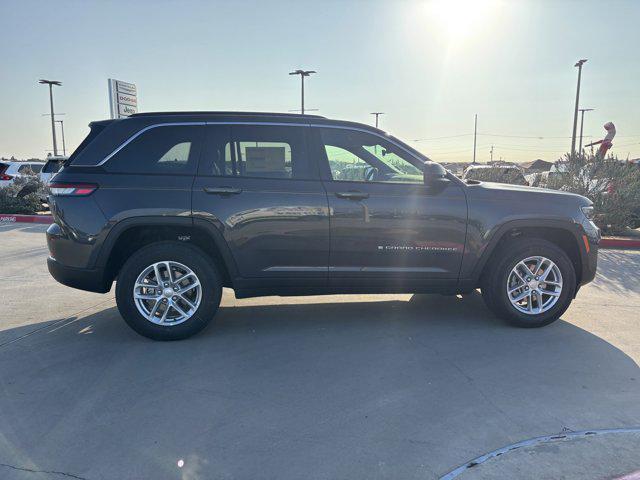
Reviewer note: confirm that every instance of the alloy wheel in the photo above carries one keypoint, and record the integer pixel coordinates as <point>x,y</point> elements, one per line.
<point>167,293</point>
<point>534,285</point>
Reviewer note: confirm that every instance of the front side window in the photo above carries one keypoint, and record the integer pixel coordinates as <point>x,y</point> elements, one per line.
<point>355,156</point>
<point>161,150</point>
<point>263,151</point>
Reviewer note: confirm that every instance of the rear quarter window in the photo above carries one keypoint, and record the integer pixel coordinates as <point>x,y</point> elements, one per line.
<point>169,150</point>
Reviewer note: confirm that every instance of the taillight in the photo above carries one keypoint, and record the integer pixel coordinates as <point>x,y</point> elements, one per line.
<point>3,168</point>
<point>72,189</point>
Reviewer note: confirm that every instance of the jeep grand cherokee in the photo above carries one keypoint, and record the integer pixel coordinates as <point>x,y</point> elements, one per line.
<point>176,206</point>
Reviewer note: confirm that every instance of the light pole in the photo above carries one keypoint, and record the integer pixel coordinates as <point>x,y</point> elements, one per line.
<point>302,73</point>
<point>377,114</point>
<point>582,110</point>
<point>475,133</point>
<point>64,148</point>
<point>575,112</point>
<point>51,83</point>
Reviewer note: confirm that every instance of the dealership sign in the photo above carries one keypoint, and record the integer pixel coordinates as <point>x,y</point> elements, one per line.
<point>123,98</point>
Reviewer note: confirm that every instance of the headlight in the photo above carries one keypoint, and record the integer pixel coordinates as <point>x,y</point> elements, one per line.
<point>588,211</point>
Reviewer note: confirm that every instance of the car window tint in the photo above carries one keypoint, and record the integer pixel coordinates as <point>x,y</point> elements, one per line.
<point>263,151</point>
<point>160,150</point>
<point>363,157</point>
<point>27,169</point>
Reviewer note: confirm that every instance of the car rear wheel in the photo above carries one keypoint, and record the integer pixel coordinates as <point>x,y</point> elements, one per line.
<point>168,291</point>
<point>531,284</point>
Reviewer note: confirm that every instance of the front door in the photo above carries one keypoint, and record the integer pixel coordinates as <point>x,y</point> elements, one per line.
<point>261,189</point>
<point>387,228</point>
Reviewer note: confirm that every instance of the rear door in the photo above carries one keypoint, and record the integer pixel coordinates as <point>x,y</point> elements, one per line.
<point>258,185</point>
<point>387,228</point>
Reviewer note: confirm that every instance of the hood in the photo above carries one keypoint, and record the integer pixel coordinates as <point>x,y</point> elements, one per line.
<point>517,193</point>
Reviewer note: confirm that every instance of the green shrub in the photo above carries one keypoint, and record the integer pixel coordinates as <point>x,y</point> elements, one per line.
<point>14,200</point>
<point>612,185</point>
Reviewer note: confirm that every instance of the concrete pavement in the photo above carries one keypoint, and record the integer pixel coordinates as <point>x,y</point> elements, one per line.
<point>368,386</point>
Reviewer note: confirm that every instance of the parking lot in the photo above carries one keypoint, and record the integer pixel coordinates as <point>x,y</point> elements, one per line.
<point>367,386</point>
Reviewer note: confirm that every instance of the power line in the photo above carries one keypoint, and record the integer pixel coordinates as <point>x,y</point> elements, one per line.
<point>535,137</point>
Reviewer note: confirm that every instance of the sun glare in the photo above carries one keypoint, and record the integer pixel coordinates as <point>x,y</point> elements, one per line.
<point>460,19</point>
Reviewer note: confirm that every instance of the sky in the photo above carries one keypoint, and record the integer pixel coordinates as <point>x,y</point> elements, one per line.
<point>429,65</point>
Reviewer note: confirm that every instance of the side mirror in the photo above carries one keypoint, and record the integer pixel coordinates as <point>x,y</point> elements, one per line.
<point>434,174</point>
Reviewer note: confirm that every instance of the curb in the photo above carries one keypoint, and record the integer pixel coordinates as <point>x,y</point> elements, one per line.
<point>10,218</point>
<point>628,243</point>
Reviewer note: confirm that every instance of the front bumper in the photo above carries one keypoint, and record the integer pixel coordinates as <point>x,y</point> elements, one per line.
<point>91,280</point>
<point>589,251</point>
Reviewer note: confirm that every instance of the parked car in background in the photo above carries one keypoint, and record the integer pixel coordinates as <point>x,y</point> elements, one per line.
<point>9,171</point>
<point>51,167</point>
<point>495,173</point>
<point>544,179</point>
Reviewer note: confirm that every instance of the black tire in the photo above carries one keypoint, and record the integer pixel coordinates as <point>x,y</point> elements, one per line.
<point>190,257</point>
<point>495,281</point>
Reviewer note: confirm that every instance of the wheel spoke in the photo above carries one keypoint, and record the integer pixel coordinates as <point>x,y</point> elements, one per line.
<point>538,265</point>
<point>546,273</point>
<point>158,276</point>
<point>144,296</point>
<point>153,311</point>
<point>187,301</point>
<point>524,267</point>
<point>167,265</point>
<point>522,296</point>
<point>179,309</point>
<point>548,292</point>
<point>164,314</point>
<point>188,287</point>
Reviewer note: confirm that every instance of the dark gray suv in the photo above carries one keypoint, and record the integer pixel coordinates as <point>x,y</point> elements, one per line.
<point>175,206</point>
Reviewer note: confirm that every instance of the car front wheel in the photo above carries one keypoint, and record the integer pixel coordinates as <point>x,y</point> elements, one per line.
<point>531,284</point>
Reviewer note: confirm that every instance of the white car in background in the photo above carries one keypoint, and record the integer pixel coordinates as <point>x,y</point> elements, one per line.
<point>9,171</point>
<point>53,166</point>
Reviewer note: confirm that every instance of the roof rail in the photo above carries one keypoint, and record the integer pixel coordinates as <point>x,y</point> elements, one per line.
<point>247,114</point>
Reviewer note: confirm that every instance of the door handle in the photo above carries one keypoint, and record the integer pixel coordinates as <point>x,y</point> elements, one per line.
<point>222,190</point>
<point>352,195</point>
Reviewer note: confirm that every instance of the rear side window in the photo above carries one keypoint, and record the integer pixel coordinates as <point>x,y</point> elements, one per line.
<point>260,151</point>
<point>96,129</point>
<point>29,168</point>
<point>171,150</point>
<point>52,166</point>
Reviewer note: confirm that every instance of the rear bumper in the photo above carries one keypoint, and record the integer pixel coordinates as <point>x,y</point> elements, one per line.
<point>91,280</point>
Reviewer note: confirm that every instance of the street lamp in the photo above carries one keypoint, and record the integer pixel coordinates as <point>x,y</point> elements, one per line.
<point>64,148</point>
<point>575,113</point>
<point>582,110</point>
<point>377,114</point>
<point>51,83</point>
<point>302,73</point>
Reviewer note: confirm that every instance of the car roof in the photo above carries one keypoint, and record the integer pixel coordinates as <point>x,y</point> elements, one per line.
<point>26,162</point>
